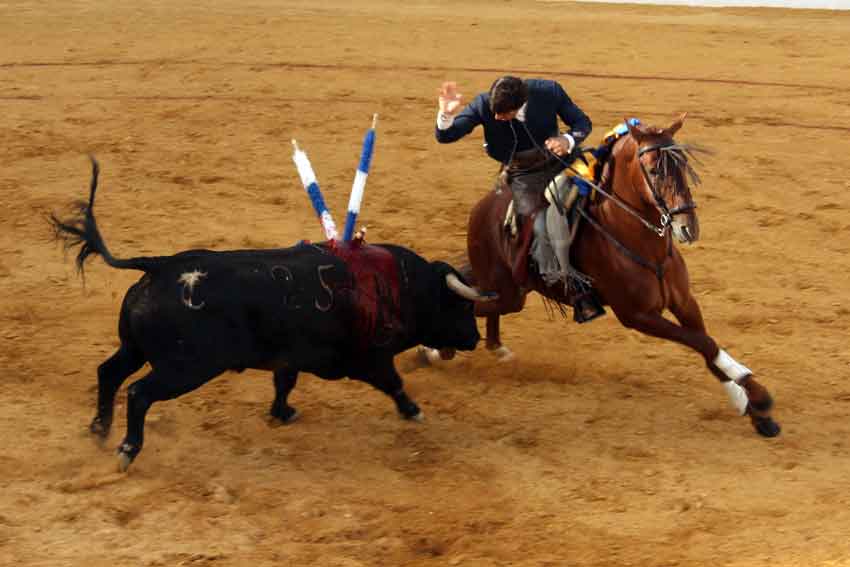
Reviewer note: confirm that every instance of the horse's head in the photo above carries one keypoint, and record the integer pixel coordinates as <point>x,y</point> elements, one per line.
<point>663,177</point>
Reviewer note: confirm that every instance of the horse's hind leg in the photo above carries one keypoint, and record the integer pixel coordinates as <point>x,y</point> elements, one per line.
<point>729,371</point>
<point>110,375</point>
<point>511,300</point>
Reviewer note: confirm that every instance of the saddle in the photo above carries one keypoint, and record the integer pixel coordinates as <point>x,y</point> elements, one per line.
<point>561,185</point>
<point>591,165</point>
<point>572,188</point>
<point>550,251</point>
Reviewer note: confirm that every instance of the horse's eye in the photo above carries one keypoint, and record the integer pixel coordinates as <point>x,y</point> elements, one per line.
<point>653,171</point>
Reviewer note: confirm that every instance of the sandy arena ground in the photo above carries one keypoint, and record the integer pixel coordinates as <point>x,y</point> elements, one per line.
<point>598,446</point>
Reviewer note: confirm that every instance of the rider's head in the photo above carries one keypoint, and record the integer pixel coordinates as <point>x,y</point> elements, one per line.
<point>507,95</point>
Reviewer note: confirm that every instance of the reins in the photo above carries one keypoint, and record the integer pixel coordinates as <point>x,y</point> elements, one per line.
<point>666,219</point>
<point>666,213</point>
<point>657,269</point>
<point>659,230</point>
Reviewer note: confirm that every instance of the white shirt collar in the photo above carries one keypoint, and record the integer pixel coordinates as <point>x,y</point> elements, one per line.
<point>520,115</point>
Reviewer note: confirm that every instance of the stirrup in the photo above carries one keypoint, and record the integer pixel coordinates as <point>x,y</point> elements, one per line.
<point>587,307</point>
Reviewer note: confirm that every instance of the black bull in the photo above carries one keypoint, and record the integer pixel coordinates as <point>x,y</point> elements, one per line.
<point>331,311</point>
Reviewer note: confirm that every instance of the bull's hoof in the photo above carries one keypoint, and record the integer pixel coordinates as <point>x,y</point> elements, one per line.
<point>126,454</point>
<point>765,426</point>
<point>124,461</point>
<point>290,417</point>
<point>418,417</point>
<point>99,428</point>
<point>285,415</point>
<point>407,407</point>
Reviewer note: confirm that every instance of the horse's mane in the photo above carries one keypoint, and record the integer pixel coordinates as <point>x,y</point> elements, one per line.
<point>675,157</point>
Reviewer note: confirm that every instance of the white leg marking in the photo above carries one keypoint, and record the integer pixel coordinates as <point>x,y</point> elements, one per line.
<point>737,395</point>
<point>502,353</point>
<point>733,369</point>
<point>430,355</point>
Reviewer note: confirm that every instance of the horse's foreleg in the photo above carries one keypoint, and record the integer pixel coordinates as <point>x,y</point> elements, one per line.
<point>729,371</point>
<point>655,325</point>
<point>432,357</point>
<point>736,382</point>
<point>494,341</point>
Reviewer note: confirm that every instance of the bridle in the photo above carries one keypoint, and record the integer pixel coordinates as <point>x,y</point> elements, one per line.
<point>667,213</point>
<point>676,153</point>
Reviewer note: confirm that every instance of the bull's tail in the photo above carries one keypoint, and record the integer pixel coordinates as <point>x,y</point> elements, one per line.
<point>81,230</point>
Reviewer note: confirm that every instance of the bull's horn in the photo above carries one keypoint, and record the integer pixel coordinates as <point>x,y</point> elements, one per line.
<point>466,291</point>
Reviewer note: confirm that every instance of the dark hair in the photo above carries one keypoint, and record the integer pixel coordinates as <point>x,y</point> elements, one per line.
<point>507,94</point>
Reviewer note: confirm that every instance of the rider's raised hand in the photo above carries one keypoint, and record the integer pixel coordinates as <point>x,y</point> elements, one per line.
<point>450,100</point>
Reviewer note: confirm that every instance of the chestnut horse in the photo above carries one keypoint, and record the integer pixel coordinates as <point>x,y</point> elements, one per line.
<point>625,245</point>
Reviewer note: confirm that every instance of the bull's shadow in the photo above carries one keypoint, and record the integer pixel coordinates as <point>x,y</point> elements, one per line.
<point>334,310</point>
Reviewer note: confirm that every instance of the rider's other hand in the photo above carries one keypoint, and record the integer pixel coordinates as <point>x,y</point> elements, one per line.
<point>450,99</point>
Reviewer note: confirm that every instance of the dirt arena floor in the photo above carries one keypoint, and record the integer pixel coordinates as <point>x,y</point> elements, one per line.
<point>596,447</point>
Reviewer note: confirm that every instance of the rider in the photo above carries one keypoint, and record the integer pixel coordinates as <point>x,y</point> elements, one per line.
<point>521,132</point>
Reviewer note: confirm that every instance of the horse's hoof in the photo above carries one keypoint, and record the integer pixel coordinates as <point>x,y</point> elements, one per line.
<point>447,353</point>
<point>502,353</point>
<point>428,356</point>
<point>764,405</point>
<point>766,426</point>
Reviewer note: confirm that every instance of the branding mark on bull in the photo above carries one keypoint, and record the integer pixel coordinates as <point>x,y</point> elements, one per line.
<point>189,281</point>
<point>327,288</point>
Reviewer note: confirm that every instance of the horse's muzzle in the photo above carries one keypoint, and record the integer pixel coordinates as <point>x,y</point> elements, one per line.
<point>686,227</point>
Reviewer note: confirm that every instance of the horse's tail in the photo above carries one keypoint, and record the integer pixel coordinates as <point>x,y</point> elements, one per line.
<point>81,230</point>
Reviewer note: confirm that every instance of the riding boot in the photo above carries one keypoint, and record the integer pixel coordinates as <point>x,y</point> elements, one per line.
<point>519,269</point>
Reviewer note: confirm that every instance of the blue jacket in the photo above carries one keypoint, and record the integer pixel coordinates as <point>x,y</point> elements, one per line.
<point>546,101</point>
